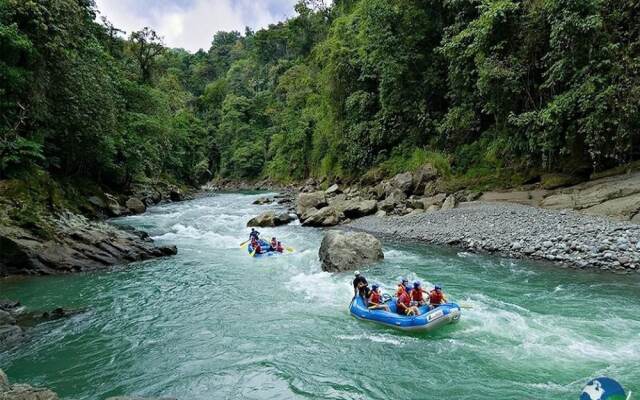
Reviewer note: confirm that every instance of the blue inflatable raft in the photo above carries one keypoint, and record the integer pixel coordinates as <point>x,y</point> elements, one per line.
<point>266,252</point>
<point>447,313</point>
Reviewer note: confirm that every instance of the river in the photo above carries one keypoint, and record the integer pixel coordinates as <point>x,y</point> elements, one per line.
<point>213,322</point>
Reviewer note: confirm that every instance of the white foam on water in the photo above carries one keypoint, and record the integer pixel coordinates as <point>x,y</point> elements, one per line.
<point>372,338</point>
<point>322,287</point>
<point>180,231</point>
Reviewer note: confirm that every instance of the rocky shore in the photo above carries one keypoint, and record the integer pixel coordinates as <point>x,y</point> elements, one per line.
<point>513,230</point>
<point>49,228</point>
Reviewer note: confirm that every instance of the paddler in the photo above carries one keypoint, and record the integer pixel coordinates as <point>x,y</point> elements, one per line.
<point>359,284</point>
<point>436,297</point>
<point>375,299</point>
<point>417,294</point>
<point>254,235</point>
<point>403,304</point>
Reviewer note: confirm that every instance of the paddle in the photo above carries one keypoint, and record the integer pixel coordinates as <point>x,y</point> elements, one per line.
<point>245,243</point>
<point>290,249</point>
<point>253,253</point>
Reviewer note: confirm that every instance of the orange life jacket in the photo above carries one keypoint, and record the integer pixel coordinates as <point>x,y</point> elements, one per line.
<point>375,298</point>
<point>435,297</point>
<point>404,300</point>
<point>416,295</point>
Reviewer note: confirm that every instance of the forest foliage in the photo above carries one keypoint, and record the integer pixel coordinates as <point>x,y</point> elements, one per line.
<point>476,86</point>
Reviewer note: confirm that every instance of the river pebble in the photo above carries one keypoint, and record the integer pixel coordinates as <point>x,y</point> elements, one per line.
<point>565,237</point>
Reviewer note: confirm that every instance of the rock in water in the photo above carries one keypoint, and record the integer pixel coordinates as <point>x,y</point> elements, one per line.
<point>23,392</point>
<point>345,251</point>
<point>263,200</point>
<point>136,205</point>
<point>270,219</point>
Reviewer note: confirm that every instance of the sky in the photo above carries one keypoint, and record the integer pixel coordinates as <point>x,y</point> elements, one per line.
<point>190,24</point>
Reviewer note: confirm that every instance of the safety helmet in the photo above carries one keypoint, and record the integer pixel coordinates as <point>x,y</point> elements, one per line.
<point>356,273</point>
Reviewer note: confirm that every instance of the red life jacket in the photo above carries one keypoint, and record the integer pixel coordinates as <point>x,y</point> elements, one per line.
<point>400,290</point>
<point>274,244</point>
<point>257,248</point>
<point>435,297</point>
<point>279,249</point>
<point>404,300</point>
<point>374,298</point>
<point>416,295</point>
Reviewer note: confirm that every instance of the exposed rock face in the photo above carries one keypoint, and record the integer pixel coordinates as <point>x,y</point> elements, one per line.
<point>617,197</point>
<point>76,244</point>
<point>326,216</point>
<point>136,205</point>
<point>23,392</point>
<point>176,194</point>
<point>403,182</point>
<point>356,208</point>
<point>307,201</point>
<point>345,251</point>
<point>393,199</point>
<point>422,177</point>
<point>270,219</point>
<point>449,203</point>
<point>436,200</point>
<point>9,331</point>
<point>333,189</point>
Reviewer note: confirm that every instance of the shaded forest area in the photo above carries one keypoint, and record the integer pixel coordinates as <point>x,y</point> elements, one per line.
<point>490,91</point>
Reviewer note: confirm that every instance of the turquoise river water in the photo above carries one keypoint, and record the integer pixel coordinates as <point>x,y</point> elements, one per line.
<point>214,323</point>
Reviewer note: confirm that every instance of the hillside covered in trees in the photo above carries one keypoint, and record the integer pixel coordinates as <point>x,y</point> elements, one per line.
<point>490,90</point>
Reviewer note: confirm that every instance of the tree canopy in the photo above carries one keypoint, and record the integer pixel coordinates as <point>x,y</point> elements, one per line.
<point>337,90</point>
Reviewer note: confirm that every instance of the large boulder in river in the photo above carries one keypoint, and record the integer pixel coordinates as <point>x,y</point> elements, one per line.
<point>307,201</point>
<point>23,392</point>
<point>270,219</point>
<point>135,205</point>
<point>346,251</point>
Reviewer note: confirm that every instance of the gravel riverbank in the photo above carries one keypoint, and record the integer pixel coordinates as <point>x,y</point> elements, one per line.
<point>518,231</point>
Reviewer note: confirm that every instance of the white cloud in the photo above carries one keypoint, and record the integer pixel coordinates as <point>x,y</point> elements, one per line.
<point>192,26</point>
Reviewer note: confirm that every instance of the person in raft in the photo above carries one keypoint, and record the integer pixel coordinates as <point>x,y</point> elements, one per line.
<point>254,235</point>
<point>375,299</point>
<point>279,248</point>
<point>436,297</point>
<point>417,294</point>
<point>404,304</point>
<point>273,244</point>
<point>359,284</point>
<point>255,243</point>
<point>403,286</point>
